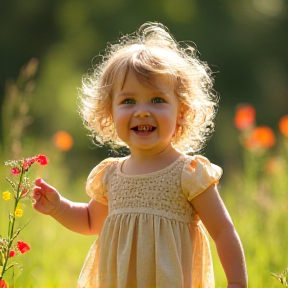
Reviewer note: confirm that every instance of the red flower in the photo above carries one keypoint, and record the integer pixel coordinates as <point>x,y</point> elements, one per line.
<point>24,192</point>
<point>3,284</point>
<point>283,125</point>
<point>28,162</point>
<point>261,137</point>
<point>244,117</point>
<point>15,171</point>
<point>42,159</point>
<point>12,253</point>
<point>23,247</point>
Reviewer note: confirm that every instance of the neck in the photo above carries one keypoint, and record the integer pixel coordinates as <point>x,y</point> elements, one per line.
<point>138,163</point>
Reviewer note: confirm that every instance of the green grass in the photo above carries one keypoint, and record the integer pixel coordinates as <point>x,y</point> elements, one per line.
<point>258,206</point>
<point>56,254</point>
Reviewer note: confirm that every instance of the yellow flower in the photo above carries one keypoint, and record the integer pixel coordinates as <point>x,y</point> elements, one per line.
<point>6,195</point>
<point>18,212</point>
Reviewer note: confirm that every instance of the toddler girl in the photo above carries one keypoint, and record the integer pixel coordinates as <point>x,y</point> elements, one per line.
<point>152,95</point>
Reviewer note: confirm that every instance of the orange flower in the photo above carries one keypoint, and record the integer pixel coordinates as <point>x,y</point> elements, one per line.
<point>244,117</point>
<point>24,192</point>
<point>63,140</point>
<point>3,284</point>
<point>261,137</point>
<point>283,125</point>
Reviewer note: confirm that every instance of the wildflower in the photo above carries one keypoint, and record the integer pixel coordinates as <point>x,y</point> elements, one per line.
<point>28,162</point>
<point>261,137</point>
<point>3,284</point>
<point>15,171</point>
<point>12,253</point>
<point>24,192</point>
<point>6,195</point>
<point>63,140</point>
<point>244,117</point>
<point>21,186</point>
<point>283,125</point>
<point>42,159</point>
<point>23,247</point>
<point>275,165</point>
<point>18,212</point>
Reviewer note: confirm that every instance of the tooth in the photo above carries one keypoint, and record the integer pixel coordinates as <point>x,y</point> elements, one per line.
<point>144,128</point>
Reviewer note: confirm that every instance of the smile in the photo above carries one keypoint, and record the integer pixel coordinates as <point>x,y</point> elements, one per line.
<point>144,128</point>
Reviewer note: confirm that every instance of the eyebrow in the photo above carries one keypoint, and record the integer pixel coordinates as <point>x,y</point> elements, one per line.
<point>156,92</point>
<point>126,93</point>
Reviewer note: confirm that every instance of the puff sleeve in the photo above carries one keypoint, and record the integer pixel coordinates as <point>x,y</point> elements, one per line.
<point>96,184</point>
<point>198,174</point>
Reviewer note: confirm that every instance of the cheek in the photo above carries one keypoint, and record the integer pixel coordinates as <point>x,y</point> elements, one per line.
<point>120,115</point>
<point>169,122</point>
<point>121,120</point>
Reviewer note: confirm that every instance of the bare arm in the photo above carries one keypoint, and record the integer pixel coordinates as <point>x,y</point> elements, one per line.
<point>82,218</point>
<point>216,219</point>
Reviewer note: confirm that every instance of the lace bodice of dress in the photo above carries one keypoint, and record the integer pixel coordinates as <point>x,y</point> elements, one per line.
<point>158,193</point>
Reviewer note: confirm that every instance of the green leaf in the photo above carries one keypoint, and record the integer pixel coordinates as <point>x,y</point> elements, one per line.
<point>281,277</point>
<point>2,259</point>
<point>12,183</point>
<point>10,266</point>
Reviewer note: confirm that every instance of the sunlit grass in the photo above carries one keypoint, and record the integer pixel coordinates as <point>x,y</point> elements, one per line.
<point>255,195</point>
<point>56,254</point>
<point>258,208</point>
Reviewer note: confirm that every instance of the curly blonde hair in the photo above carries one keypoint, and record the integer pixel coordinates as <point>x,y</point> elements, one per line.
<point>151,51</point>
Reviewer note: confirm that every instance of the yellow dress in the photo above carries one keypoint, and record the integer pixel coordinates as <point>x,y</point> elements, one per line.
<point>152,237</point>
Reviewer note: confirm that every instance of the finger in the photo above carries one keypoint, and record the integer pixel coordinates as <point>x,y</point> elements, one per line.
<point>36,205</point>
<point>36,195</point>
<point>40,182</point>
<point>43,185</point>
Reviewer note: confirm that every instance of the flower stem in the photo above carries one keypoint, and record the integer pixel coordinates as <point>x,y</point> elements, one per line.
<point>12,224</point>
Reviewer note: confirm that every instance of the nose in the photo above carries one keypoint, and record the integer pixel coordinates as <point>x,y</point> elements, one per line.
<point>142,114</point>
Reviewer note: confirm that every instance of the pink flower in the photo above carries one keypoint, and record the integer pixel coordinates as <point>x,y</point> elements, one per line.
<point>23,247</point>
<point>28,162</point>
<point>42,159</point>
<point>15,171</point>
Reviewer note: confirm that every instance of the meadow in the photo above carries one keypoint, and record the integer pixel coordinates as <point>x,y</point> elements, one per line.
<point>255,194</point>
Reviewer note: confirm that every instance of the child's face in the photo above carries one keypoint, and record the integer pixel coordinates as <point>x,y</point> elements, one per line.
<point>145,116</point>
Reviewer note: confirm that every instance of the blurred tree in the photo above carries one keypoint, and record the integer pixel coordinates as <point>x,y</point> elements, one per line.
<point>243,41</point>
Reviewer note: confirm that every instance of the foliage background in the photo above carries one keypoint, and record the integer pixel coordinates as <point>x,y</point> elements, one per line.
<point>244,42</point>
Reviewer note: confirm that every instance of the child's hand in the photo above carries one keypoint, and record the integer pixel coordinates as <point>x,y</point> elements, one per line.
<point>47,198</point>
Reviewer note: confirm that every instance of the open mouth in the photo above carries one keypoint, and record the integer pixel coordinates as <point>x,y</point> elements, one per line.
<point>144,128</point>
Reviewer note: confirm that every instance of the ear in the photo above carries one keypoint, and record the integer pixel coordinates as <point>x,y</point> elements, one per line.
<point>181,114</point>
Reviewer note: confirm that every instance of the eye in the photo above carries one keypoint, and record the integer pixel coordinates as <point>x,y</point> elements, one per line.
<point>128,101</point>
<point>158,100</point>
